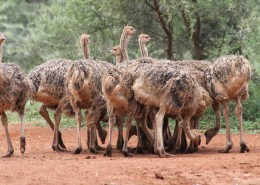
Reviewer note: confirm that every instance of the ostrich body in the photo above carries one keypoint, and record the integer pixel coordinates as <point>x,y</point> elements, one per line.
<point>83,87</point>
<point>226,80</point>
<point>15,91</point>
<point>48,87</point>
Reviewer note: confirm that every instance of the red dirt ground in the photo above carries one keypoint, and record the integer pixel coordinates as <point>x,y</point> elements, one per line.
<point>41,165</point>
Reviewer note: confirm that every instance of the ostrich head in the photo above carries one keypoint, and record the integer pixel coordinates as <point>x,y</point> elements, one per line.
<point>144,38</point>
<point>129,30</point>
<point>116,51</point>
<point>85,39</point>
<point>2,38</point>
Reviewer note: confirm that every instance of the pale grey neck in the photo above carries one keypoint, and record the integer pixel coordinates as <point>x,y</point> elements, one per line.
<point>124,40</point>
<point>143,49</point>
<point>119,59</point>
<point>85,51</point>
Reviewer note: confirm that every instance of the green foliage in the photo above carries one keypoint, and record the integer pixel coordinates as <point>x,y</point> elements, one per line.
<point>33,117</point>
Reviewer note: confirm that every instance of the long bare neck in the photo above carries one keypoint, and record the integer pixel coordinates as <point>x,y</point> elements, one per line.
<point>85,50</point>
<point>143,49</point>
<point>1,53</point>
<point>124,40</point>
<point>119,59</point>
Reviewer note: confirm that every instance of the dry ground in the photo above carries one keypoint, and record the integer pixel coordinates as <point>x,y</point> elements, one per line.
<point>41,165</point>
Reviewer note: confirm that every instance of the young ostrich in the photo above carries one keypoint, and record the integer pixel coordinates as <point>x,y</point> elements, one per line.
<point>143,39</point>
<point>196,69</point>
<point>47,84</point>
<point>174,92</point>
<point>116,88</point>
<point>48,87</point>
<point>126,35</point>
<point>84,42</point>
<point>15,91</point>
<point>83,87</point>
<point>227,79</point>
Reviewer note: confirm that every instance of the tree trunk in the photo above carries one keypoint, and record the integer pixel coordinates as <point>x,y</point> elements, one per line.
<point>198,55</point>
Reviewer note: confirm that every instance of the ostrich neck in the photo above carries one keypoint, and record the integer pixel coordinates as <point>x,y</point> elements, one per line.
<point>144,50</point>
<point>85,51</point>
<point>124,40</point>
<point>119,59</point>
<point>1,69</point>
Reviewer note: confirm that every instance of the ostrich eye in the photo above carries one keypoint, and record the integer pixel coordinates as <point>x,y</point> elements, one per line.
<point>147,37</point>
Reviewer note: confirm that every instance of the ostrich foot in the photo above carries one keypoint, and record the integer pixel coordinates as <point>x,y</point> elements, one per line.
<point>127,153</point>
<point>226,150</point>
<point>163,154</point>
<point>93,150</point>
<point>60,141</point>
<point>120,144</point>
<point>9,153</point>
<point>22,144</point>
<point>108,152</point>
<point>78,150</point>
<point>243,147</point>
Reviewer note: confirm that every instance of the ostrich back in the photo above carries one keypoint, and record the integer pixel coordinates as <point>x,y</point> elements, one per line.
<point>14,88</point>
<point>228,77</point>
<point>48,81</point>
<point>172,90</point>
<point>84,82</point>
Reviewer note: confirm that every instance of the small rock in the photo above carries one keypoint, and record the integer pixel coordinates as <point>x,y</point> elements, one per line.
<point>158,176</point>
<point>91,157</point>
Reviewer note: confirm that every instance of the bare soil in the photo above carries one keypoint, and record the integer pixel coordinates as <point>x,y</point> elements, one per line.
<point>41,165</point>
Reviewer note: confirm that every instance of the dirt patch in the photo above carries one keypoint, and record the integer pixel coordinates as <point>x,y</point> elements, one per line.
<point>41,165</point>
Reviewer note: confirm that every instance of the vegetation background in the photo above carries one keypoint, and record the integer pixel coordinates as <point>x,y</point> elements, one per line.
<point>39,30</point>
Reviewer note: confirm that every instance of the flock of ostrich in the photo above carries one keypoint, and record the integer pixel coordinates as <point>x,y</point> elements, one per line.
<point>145,90</point>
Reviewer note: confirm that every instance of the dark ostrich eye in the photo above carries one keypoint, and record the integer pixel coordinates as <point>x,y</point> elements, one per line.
<point>147,37</point>
<point>114,49</point>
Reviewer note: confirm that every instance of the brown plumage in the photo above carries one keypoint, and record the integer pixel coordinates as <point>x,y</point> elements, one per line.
<point>48,87</point>
<point>117,89</point>
<point>119,94</point>
<point>174,92</point>
<point>83,87</point>
<point>15,91</point>
<point>227,79</point>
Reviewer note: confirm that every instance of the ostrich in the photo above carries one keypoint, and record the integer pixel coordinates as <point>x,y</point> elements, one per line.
<point>196,69</point>
<point>128,32</point>
<point>83,88</point>
<point>134,69</point>
<point>116,88</point>
<point>84,42</point>
<point>15,91</point>
<point>227,79</point>
<point>48,87</point>
<point>173,92</point>
<point>143,39</point>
